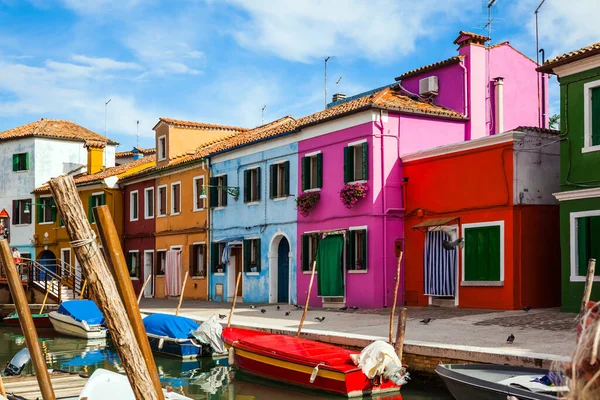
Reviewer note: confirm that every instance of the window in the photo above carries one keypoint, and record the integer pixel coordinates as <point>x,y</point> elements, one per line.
<point>218,196</point>
<point>356,161</point>
<point>310,241</point>
<point>161,258</point>
<point>312,171</point>
<point>591,117</point>
<point>162,200</point>
<point>587,240</point>
<point>133,206</point>
<point>198,186</point>
<point>175,198</point>
<point>280,180</point>
<point>65,257</point>
<point>149,203</point>
<point>252,185</point>
<point>21,162</point>
<point>46,210</point>
<point>19,214</point>
<point>133,263</point>
<point>356,250</point>
<point>216,255</point>
<point>162,148</point>
<point>198,259</point>
<point>482,254</point>
<point>252,255</point>
<point>95,200</point>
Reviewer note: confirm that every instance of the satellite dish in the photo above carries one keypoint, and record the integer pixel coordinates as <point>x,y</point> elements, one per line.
<point>111,181</point>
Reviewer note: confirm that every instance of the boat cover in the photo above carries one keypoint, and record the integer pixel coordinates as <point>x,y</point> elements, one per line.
<point>171,326</point>
<point>82,310</point>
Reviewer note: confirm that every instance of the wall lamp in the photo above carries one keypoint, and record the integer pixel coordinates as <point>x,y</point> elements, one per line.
<point>232,190</point>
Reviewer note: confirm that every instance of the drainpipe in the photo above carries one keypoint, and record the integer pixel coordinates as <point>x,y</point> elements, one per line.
<point>499,91</point>
<point>209,235</point>
<point>383,208</point>
<point>465,89</point>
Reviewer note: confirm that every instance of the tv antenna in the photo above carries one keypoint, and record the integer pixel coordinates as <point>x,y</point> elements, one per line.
<point>326,59</point>
<point>137,134</point>
<point>490,20</point>
<point>262,115</point>
<point>336,85</point>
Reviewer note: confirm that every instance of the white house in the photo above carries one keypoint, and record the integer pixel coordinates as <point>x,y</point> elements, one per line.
<point>32,154</point>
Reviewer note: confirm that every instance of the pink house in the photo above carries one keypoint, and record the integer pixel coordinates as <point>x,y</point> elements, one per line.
<point>360,140</point>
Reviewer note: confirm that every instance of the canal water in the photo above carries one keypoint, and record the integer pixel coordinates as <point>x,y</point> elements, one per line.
<point>198,379</point>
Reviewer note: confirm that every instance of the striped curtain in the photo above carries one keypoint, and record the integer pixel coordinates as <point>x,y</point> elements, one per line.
<point>440,266</point>
<point>173,273</point>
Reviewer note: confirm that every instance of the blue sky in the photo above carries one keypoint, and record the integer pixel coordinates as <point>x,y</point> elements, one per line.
<point>222,61</point>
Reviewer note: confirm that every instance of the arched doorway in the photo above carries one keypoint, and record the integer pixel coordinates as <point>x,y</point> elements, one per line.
<point>47,259</point>
<point>279,269</point>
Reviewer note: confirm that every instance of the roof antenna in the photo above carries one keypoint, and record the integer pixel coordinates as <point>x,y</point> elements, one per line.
<point>262,118</point>
<point>105,132</point>
<point>326,59</point>
<point>336,85</point>
<point>137,134</point>
<point>490,19</point>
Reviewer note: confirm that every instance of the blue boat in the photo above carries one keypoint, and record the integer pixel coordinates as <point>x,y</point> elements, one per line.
<point>171,335</point>
<point>79,318</point>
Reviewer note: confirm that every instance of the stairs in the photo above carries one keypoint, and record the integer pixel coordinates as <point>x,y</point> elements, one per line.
<point>64,284</point>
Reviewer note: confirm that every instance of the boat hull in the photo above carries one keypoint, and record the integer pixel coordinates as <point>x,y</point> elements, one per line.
<point>39,320</point>
<point>344,379</point>
<point>68,326</point>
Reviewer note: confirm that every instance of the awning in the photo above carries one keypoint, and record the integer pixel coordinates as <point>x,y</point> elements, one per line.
<point>429,223</point>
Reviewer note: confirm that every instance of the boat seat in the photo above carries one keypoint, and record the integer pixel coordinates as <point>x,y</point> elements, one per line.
<point>525,382</point>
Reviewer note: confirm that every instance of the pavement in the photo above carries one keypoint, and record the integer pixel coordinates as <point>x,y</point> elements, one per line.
<point>539,333</point>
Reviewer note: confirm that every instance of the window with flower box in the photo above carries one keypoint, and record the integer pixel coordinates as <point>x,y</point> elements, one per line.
<point>312,171</point>
<point>216,255</point>
<point>356,162</point>
<point>198,259</point>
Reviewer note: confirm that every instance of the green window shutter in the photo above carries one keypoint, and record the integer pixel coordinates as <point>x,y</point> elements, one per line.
<point>348,164</point>
<point>273,185</point>
<point>212,192</point>
<point>247,186</point>
<point>15,162</point>
<point>27,161</point>
<point>15,212</point>
<point>258,254</point>
<point>225,184</point>
<point>588,235</point>
<point>305,252</point>
<point>258,176</point>
<point>38,212</point>
<point>304,167</point>
<point>214,256</point>
<point>90,207</point>
<point>365,161</point>
<point>350,251</point>
<point>103,199</point>
<point>595,108</point>
<point>246,249</point>
<point>482,254</point>
<point>319,170</point>
<point>286,178</point>
<point>53,209</point>
<point>364,245</point>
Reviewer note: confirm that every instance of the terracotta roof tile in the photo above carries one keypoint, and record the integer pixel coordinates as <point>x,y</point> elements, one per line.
<point>54,128</point>
<point>569,57</point>
<point>430,67</point>
<point>112,171</point>
<point>198,125</point>
<point>123,154</point>
<point>475,36</point>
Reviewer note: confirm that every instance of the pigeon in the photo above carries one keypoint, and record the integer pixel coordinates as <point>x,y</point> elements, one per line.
<point>511,339</point>
<point>287,313</point>
<point>320,319</point>
<point>278,307</point>
<point>297,306</point>
<point>262,310</point>
<point>344,308</point>
<point>253,307</point>
<point>426,320</point>
<point>354,308</point>
<point>222,316</point>
<point>526,309</point>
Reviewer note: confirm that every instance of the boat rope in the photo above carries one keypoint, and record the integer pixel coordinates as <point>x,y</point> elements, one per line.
<point>313,376</point>
<point>84,242</point>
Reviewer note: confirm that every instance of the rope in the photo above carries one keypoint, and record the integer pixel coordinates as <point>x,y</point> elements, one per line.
<point>84,242</point>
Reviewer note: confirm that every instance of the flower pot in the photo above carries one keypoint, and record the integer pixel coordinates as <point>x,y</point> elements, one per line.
<point>220,270</point>
<point>254,269</point>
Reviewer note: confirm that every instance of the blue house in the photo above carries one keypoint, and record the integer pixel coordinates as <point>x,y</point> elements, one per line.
<point>254,181</point>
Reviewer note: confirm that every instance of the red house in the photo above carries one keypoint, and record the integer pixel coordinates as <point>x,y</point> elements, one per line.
<point>481,225</point>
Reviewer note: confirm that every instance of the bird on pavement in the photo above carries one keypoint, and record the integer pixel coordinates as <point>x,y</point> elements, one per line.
<point>511,339</point>
<point>253,307</point>
<point>297,306</point>
<point>278,307</point>
<point>526,308</point>
<point>354,308</point>
<point>222,316</point>
<point>320,319</point>
<point>344,308</point>
<point>287,313</point>
<point>262,310</point>
<point>426,320</point>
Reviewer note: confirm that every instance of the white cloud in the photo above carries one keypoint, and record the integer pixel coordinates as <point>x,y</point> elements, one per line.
<point>309,29</point>
<point>103,64</point>
<point>94,7</point>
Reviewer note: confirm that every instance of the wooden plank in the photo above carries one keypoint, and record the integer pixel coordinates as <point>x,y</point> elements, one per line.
<point>65,385</point>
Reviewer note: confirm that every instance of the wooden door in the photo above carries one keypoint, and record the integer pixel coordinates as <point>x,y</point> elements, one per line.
<point>237,251</point>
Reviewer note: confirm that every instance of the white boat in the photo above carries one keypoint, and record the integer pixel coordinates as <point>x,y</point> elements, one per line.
<point>79,318</point>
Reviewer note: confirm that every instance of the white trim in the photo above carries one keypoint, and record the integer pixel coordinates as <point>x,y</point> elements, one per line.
<point>151,270</point>
<point>358,181</point>
<point>250,238</point>
<point>194,243</point>
<point>219,208</point>
<point>309,232</point>
<point>357,271</point>
<point>357,143</point>
<point>253,203</point>
<point>273,273</point>
<point>70,254</point>
<point>573,277</point>
<point>146,190</point>
<point>138,261</point>
<point>97,193</point>
<point>178,183</point>
<point>577,194</point>
<point>252,167</point>
<point>218,273</point>
<point>502,249</point>
<point>278,162</point>
<point>314,153</point>
<point>280,198</point>
<point>358,228</point>
<point>158,214</point>
<point>252,273</point>
<point>195,190</point>
<point>312,190</point>
<point>158,157</point>
<point>577,66</point>
<point>137,204</point>
<point>176,247</point>
<point>587,117</point>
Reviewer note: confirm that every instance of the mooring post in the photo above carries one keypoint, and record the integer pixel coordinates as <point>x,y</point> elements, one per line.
<point>181,294</point>
<point>312,278</point>
<point>395,298</point>
<point>143,288</point>
<point>237,285</point>
<point>399,345</point>
<point>26,321</point>
<point>104,289</point>
<point>589,281</point>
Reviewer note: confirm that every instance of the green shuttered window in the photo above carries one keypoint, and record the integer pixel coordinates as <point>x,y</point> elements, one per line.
<point>595,115</point>
<point>312,171</point>
<point>279,180</point>
<point>45,210</point>
<point>356,163</point>
<point>356,250</point>
<point>588,242</point>
<point>218,192</point>
<point>482,253</point>
<point>21,162</point>
<point>251,248</point>
<point>252,185</point>
<point>94,201</point>
<point>310,242</point>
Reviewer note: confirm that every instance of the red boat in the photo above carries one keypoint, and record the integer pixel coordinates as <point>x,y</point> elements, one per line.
<point>39,320</point>
<point>302,362</point>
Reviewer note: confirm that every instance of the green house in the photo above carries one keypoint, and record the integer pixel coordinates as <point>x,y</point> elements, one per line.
<point>578,73</point>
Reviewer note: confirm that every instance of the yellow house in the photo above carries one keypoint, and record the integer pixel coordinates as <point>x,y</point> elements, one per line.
<point>96,187</point>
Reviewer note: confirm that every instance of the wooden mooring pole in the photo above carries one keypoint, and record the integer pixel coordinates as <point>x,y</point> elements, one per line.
<point>237,285</point>
<point>143,288</point>
<point>395,298</point>
<point>26,321</point>
<point>589,281</point>
<point>312,278</point>
<point>399,345</point>
<point>104,289</point>
<point>182,292</point>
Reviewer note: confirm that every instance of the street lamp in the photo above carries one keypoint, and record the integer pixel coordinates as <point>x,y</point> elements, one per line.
<point>232,190</point>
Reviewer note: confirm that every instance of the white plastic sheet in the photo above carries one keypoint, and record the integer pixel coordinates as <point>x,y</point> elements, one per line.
<point>379,358</point>
<point>210,332</point>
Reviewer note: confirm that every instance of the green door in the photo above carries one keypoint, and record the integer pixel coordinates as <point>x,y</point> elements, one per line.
<point>330,266</point>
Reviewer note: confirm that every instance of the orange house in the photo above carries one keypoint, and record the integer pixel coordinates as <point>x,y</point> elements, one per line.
<point>481,224</point>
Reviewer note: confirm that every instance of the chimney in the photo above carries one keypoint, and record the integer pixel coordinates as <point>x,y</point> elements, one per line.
<point>137,154</point>
<point>95,156</point>
<point>338,97</point>
<point>499,104</point>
